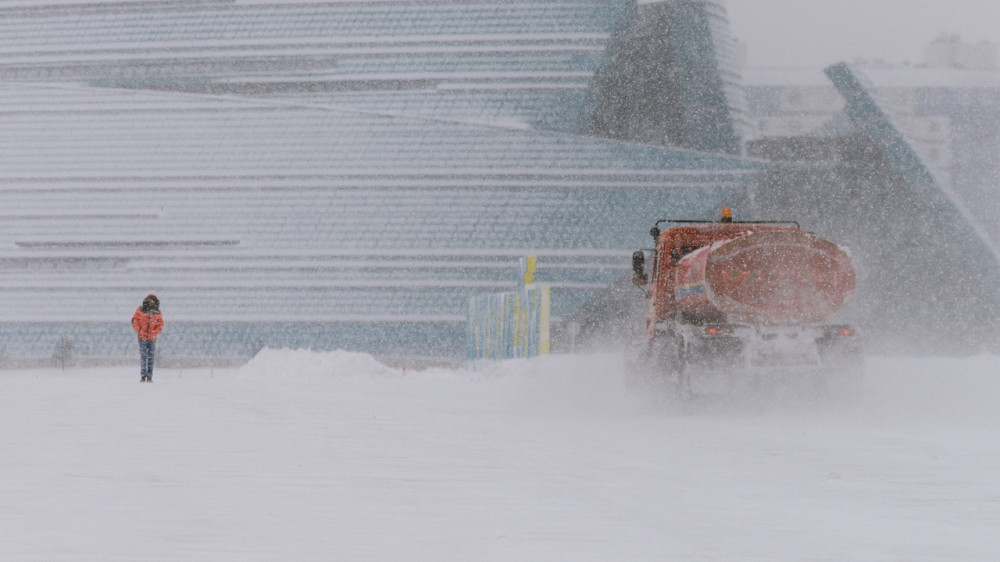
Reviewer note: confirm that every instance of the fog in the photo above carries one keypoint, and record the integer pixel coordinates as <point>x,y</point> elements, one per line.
<point>818,33</point>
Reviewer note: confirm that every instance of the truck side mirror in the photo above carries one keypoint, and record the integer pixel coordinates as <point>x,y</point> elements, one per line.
<point>639,276</point>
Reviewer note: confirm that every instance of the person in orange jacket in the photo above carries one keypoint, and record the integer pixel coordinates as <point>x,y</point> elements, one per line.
<point>147,323</point>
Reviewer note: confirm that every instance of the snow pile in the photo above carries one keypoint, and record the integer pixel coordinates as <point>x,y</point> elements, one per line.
<point>563,385</point>
<point>544,385</point>
<point>289,362</point>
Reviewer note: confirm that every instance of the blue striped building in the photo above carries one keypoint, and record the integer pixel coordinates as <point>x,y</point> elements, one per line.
<point>342,174</point>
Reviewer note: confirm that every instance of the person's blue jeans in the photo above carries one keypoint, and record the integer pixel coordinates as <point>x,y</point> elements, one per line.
<point>147,351</point>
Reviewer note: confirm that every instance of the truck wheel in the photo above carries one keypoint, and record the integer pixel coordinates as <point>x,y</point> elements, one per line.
<point>670,365</point>
<point>637,365</point>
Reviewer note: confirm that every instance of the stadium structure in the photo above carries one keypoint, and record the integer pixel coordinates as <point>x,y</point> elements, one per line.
<point>348,174</point>
<point>338,174</point>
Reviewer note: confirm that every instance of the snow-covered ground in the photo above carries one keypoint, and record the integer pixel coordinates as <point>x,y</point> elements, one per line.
<point>302,456</point>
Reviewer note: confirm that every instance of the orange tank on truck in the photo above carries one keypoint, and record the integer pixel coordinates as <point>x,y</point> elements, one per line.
<point>725,292</point>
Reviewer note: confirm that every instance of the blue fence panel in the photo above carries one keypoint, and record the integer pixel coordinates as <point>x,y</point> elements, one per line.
<point>508,326</point>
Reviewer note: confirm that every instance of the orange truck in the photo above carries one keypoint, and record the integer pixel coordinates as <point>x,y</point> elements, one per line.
<point>738,306</point>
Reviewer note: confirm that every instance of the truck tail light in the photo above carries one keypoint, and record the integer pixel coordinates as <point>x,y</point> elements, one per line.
<point>838,332</point>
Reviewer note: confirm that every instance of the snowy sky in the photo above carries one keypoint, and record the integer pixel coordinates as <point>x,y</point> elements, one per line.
<point>817,33</point>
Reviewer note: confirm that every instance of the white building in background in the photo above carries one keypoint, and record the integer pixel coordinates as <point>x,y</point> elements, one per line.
<point>948,51</point>
<point>799,102</point>
<point>949,106</point>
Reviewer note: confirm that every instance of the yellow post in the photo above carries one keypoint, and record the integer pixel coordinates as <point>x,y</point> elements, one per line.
<point>529,271</point>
